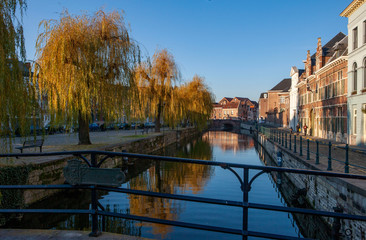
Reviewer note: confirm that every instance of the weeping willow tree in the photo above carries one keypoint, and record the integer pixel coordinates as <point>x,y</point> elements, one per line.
<point>195,102</point>
<point>85,65</point>
<point>15,91</point>
<point>155,82</point>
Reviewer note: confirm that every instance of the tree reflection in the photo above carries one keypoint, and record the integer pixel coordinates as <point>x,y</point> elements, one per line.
<point>169,177</point>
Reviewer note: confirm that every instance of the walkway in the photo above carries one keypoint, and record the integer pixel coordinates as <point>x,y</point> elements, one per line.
<point>69,142</point>
<point>337,163</point>
<point>35,234</point>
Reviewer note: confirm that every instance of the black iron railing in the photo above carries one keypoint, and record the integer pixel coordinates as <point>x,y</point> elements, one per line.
<point>96,158</point>
<point>298,145</point>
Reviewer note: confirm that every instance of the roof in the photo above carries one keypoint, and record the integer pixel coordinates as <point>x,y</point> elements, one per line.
<point>228,98</point>
<point>328,50</point>
<point>283,86</point>
<point>342,47</point>
<point>231,105</point>
<point>241,98</point>
<point>301,71</point>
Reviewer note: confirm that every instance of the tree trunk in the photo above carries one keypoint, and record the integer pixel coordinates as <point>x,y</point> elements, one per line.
<point>84,138</point>
<point>157,119</point>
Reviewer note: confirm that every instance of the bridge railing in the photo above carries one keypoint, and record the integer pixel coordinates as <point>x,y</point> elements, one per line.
<point>246,184</point>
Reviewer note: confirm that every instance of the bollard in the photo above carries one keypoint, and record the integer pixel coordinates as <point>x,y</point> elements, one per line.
<point>285,140</point>
<point>317,153</point>
<point>290,141</point>
<point>346,166</point>
<point>330,157</point>
<point>294,143</point>
<point>300,146</point>
<point>308,151</point>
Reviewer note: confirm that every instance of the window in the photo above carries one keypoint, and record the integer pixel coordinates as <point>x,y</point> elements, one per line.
<point>364,73</point>
<point>354,121</point>
<point>364,31</point>
<point>340,75</point>
<point>282,99</point>
<point>355,38</point>
<point>355,77</point>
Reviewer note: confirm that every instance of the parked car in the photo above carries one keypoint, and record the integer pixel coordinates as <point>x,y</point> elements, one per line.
<point>94,127</point>
<point>137,125</point>
<point>112,126</point>
<point>124,126</point>
<point>150,125</point>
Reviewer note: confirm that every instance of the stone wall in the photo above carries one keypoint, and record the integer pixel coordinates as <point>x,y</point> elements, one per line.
<point>51,171</point>
<point>324,193</point>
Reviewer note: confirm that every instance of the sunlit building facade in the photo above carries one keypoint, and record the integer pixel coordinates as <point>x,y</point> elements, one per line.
<point>356,94</point>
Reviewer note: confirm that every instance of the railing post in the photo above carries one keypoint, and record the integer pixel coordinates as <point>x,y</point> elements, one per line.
<point>290,142</point>
<point>346,166</point>
<point>300,146</point>
<point>308,151</point>
<point>94,203</point>
<point>285,140</point>
<point>330,157</point>
<point>245,204</point>
<point>282,142</point>
<point>294,143</point>
<point>317,152</point>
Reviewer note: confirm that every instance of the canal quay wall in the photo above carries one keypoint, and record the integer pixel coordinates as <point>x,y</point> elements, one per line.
<point>50,170</point>
<point>322,193</point>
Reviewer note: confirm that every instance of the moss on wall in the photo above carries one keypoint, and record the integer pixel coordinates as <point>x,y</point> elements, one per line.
<point>12,198</point>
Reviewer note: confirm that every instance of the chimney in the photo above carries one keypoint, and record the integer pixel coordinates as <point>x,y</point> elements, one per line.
<point>319,55</point>
<point>308,64</point>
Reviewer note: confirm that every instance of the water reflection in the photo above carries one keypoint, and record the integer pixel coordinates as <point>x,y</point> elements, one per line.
<point>229,141</point>
<point>178,178</point>
<point>174,178</point>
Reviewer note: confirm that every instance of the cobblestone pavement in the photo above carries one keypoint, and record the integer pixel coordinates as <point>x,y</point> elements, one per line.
<point>69,142</point>
<point>35,234</point>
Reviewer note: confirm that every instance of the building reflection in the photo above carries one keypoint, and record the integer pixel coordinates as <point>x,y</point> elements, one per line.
<point>229,141</point>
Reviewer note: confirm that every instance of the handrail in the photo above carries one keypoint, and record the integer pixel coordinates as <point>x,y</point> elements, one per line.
<point>245,187</point>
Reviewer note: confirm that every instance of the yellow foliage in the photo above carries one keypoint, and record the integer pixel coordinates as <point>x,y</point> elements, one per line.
<point>159,95</point>
<point>85,64</point>
<point>16,96</point>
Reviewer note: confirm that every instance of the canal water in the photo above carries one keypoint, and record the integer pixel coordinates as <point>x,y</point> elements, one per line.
<point>179,178</point>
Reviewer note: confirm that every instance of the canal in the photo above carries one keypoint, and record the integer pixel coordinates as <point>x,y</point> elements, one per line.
<point>188,179</point>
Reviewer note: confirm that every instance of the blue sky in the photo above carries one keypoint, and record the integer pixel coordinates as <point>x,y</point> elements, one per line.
<point>242,48</point>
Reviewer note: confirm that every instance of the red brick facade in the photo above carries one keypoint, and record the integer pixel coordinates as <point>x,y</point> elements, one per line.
<point>323,91</point>
<point>235,108</point>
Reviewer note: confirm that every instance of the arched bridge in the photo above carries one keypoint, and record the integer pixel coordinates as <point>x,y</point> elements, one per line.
<point>226,124</point>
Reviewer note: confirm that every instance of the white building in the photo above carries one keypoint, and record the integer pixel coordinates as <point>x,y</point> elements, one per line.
<point>294,98</point>
<point>356,14</point>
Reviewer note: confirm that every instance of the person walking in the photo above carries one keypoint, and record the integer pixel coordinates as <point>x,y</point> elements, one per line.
<point>297,129</point>
<point>305,128</point>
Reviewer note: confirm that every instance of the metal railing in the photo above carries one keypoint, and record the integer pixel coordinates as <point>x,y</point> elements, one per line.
<point>298,144</point>
<point>246,184</point>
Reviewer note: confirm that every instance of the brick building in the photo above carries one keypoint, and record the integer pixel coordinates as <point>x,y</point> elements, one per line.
<point>274,105</point>
<point>235,108</point>
<point>322,90</point>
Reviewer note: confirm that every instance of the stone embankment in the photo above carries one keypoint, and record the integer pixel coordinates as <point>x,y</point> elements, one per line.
<point>49,170</point>
<point>323,193</point>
